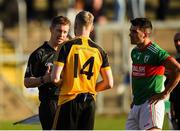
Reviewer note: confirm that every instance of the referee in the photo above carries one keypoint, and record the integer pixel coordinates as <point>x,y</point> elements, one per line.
<point>39,67</point>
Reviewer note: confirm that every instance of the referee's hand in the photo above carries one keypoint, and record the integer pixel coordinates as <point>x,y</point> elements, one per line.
<point>47,76</point>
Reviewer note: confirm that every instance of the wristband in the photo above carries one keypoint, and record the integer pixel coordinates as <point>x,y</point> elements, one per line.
<point>42,80</point>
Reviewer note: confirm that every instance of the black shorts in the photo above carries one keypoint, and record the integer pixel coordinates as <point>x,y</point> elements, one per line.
<point>77,114</point>
<point>47,111</point>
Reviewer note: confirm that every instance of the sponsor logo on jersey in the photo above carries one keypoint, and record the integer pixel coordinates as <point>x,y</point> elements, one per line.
<point>49,64</point>
<point>138,70</point>
<point>147,70</point>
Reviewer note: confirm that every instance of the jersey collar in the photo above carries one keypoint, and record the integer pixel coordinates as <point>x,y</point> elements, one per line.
<point>145,47</point>
<point>47,45</point>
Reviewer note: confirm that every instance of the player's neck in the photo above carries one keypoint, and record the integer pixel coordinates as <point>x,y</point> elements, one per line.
<point>144,44</point>
<point>54,46</point>
<point>84,32</point>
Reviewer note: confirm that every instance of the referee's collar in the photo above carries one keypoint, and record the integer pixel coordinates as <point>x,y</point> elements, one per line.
<point>48,45</point>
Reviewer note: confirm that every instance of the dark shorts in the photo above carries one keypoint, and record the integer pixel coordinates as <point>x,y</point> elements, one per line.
<point>77,114</point>
<point>47,111</point>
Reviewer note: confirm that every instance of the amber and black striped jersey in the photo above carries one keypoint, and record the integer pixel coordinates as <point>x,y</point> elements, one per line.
<point>82,60</point>
<point>37,66</point>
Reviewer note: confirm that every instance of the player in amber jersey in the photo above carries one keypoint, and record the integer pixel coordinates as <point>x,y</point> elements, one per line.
<point>81,62</point>
<point>148,66</point>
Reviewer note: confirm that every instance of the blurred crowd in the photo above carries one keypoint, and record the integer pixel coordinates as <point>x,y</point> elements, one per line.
<point>103,10</point>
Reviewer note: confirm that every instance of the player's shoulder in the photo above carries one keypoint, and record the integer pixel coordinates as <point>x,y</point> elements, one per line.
<point>160,50</point>
<point>155,46</point>
<point>95,45</point>
<point>39,51</point>
<point>66,45</point>
<point>73,41</point>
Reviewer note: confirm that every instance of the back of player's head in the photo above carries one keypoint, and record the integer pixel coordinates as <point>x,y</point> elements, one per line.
<point>84,18</point>
<point>62,20</point>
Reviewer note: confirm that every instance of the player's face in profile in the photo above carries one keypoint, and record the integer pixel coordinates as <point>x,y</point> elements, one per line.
<point>136,35</point>
<point>59,33</point>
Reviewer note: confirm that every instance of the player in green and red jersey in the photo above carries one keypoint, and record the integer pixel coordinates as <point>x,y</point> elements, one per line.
<point>81,63</point>
<point>148,66</point>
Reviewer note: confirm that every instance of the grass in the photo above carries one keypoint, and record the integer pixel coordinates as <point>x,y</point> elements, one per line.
<point>101,123</point>
<point>8,125</point>
<point>110,122</point>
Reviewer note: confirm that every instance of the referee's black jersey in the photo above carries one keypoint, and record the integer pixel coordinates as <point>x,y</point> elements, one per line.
<point>37,66</point>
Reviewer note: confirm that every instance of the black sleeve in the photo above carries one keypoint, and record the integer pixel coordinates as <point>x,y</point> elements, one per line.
<point>64,51</point>
<point>33,65</point>
<point>105,59</point>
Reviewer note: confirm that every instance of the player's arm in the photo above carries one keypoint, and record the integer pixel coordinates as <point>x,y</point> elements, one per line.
<point>174,67</point>
<point>31,82</point>
<point>56,72</point>
<point>30,79</point>
<point>107,80</point>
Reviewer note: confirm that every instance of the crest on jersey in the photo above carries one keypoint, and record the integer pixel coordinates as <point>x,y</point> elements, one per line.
<point>146,58</point>
<point>49,64</point>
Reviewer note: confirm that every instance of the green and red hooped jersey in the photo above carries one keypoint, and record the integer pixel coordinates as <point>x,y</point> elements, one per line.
<point>147,71</point>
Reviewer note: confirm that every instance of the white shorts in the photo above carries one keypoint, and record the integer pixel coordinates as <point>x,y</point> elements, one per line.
<point>146,116</point>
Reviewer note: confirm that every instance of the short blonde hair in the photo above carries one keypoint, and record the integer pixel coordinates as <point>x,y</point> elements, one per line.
<point>84,18</point>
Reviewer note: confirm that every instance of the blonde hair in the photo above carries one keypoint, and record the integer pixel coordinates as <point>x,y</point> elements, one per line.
<point>84,18</point>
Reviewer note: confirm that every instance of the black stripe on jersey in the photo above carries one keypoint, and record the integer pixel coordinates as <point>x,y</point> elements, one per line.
<point>75,65</point>
<point>103,53</point>
<point>67,47</point>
